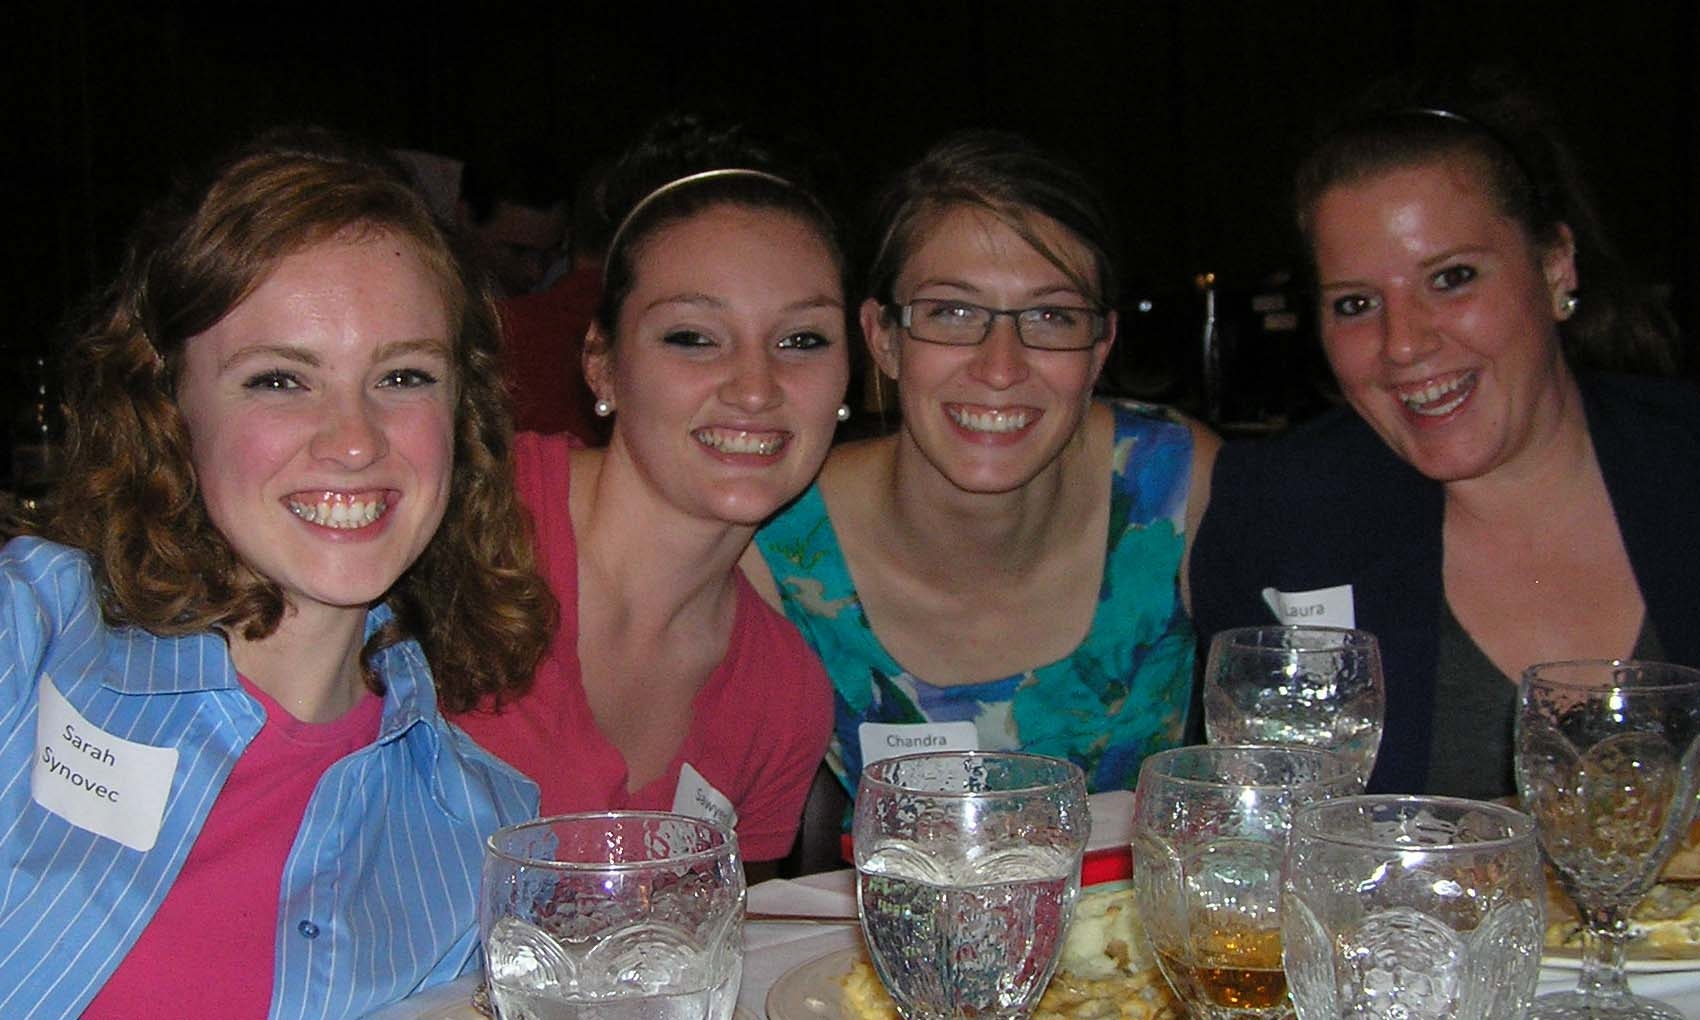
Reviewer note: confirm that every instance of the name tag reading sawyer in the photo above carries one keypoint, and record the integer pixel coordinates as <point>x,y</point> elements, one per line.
<point>698,798</point>
<point>1323,607</point>
<point>888,740</point>
<point>105,784</point>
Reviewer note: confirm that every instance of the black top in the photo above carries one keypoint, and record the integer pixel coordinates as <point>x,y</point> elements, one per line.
<point>1330,504</point>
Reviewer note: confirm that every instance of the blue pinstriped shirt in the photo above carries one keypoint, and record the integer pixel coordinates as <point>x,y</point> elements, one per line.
<point>380,887</point>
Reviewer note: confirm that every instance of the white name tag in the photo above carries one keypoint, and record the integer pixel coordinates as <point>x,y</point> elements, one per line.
<point>888,740</point>
<point>108,785</point>
<point>1324,607</point>
<point>698,798</point>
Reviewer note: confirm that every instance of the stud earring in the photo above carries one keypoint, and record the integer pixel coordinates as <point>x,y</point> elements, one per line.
<point>1567,305</point>
<point>603,408</point>
<point>843,412</point>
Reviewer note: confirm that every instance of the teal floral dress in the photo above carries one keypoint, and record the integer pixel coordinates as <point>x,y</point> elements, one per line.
<point>1120,695</point>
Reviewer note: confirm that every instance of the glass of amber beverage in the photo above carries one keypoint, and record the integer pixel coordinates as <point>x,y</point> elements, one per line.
<point>1412,908</point>
<point>1210,832</point>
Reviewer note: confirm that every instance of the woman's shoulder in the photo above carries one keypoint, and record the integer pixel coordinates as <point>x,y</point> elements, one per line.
<point>57,574</point>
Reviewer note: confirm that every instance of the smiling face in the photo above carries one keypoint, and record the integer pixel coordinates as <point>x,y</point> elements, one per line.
<point>321,416</point>
<point>1439,314</point>
<point>730,362</point>
<point>989,418</point>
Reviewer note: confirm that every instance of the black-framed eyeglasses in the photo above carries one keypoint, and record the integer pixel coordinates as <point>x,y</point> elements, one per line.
<point>964,324</point>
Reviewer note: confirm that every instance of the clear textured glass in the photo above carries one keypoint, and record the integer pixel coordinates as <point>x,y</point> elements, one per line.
<point>619,916</point>
<point>1606,762</point>
<point>1209,834</point>
<point>963,324</point>
<point>1412,908</point>
<point>967,869</point>
<point>1317,686</point>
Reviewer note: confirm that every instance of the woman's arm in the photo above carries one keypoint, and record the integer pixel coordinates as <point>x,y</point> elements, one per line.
<point>1205,445</point>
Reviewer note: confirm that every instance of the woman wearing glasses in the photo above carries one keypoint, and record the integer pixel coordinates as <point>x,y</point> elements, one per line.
<point>1006,570</point>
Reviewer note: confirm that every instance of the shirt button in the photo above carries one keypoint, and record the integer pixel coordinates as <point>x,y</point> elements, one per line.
<point>308,929</point>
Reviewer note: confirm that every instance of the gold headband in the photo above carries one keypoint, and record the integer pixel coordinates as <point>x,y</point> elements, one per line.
<point>689,179</point>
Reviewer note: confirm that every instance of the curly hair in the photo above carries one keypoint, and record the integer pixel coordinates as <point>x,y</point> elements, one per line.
<point>1488,115</point>
<point>129,497</point>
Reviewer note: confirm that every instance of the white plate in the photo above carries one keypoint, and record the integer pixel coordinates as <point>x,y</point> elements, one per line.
<point>1571,959</point>
<point>811,991</point>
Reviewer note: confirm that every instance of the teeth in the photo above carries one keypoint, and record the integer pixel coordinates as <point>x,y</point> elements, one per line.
<point>764,444</point>
<point>989,421</point>
<point>353,514</point>
<point>1439,397</point>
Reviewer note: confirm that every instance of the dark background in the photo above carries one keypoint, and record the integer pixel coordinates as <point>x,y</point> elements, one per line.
<point>1189,113</point>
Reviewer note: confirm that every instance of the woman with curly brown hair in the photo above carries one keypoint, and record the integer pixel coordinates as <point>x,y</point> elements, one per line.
<point>288,506</point>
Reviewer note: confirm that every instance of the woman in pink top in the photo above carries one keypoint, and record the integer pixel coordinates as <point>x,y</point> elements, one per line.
<point>719,348</point>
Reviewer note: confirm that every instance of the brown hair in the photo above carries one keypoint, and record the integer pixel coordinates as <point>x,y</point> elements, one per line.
<point>1009,177</point>
<point>636,195</point>
<point>129,499</point>
<point>1512,141</point>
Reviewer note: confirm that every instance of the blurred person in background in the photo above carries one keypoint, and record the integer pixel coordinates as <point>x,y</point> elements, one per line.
<point>513,215</point>
<point>543,332</point>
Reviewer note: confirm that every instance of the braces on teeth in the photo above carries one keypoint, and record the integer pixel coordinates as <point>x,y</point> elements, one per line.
<point>357,514</point>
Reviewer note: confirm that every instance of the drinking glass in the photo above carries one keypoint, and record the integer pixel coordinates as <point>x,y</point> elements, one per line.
<point>967,868</point>
<point>1606,762</point>
<point>618,916</point>
<point>1412,908</point>
<point>1209,831</point>
<point>1318,686</point>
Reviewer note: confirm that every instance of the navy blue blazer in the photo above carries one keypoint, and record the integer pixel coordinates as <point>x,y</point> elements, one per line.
<point>1330,504</point>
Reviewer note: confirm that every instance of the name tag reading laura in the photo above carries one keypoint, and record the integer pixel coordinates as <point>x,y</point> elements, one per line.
<point>697,798</point>
<point>105,784</point>
<point>888,740</point>
<point>1322,607</point>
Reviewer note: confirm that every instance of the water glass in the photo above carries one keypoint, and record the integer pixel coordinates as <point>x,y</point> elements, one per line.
<point>1317,686</point>
<point>618,916</point>
<point>1606,762</point>
<point>967,869</point>
<point>1210,830</point>
<point>1412,908</point>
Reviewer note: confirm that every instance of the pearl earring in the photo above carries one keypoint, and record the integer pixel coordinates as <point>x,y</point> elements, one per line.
<point>1567,306</point>
<point>843,412</point>
<point>603,408</point>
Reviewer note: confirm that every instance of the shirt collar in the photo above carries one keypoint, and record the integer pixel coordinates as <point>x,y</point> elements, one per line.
<point>145,663</point>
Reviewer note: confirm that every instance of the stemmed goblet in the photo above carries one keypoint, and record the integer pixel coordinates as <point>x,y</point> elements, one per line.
<point>1318,686</point>
<point>1606,762</point>
<point>1210,830</point>
<point>967,868</point>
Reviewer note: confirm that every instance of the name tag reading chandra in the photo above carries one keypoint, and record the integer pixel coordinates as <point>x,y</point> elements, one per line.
<point>888,740</point>
<point>96,781</point>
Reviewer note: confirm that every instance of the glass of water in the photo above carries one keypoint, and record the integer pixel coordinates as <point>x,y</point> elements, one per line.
<point>967,868</point>
<point>1209,833</point>
<point>1606,762</point>
<point>1412,908</point>
<point>617,916</point>
<point>1319,686</point>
